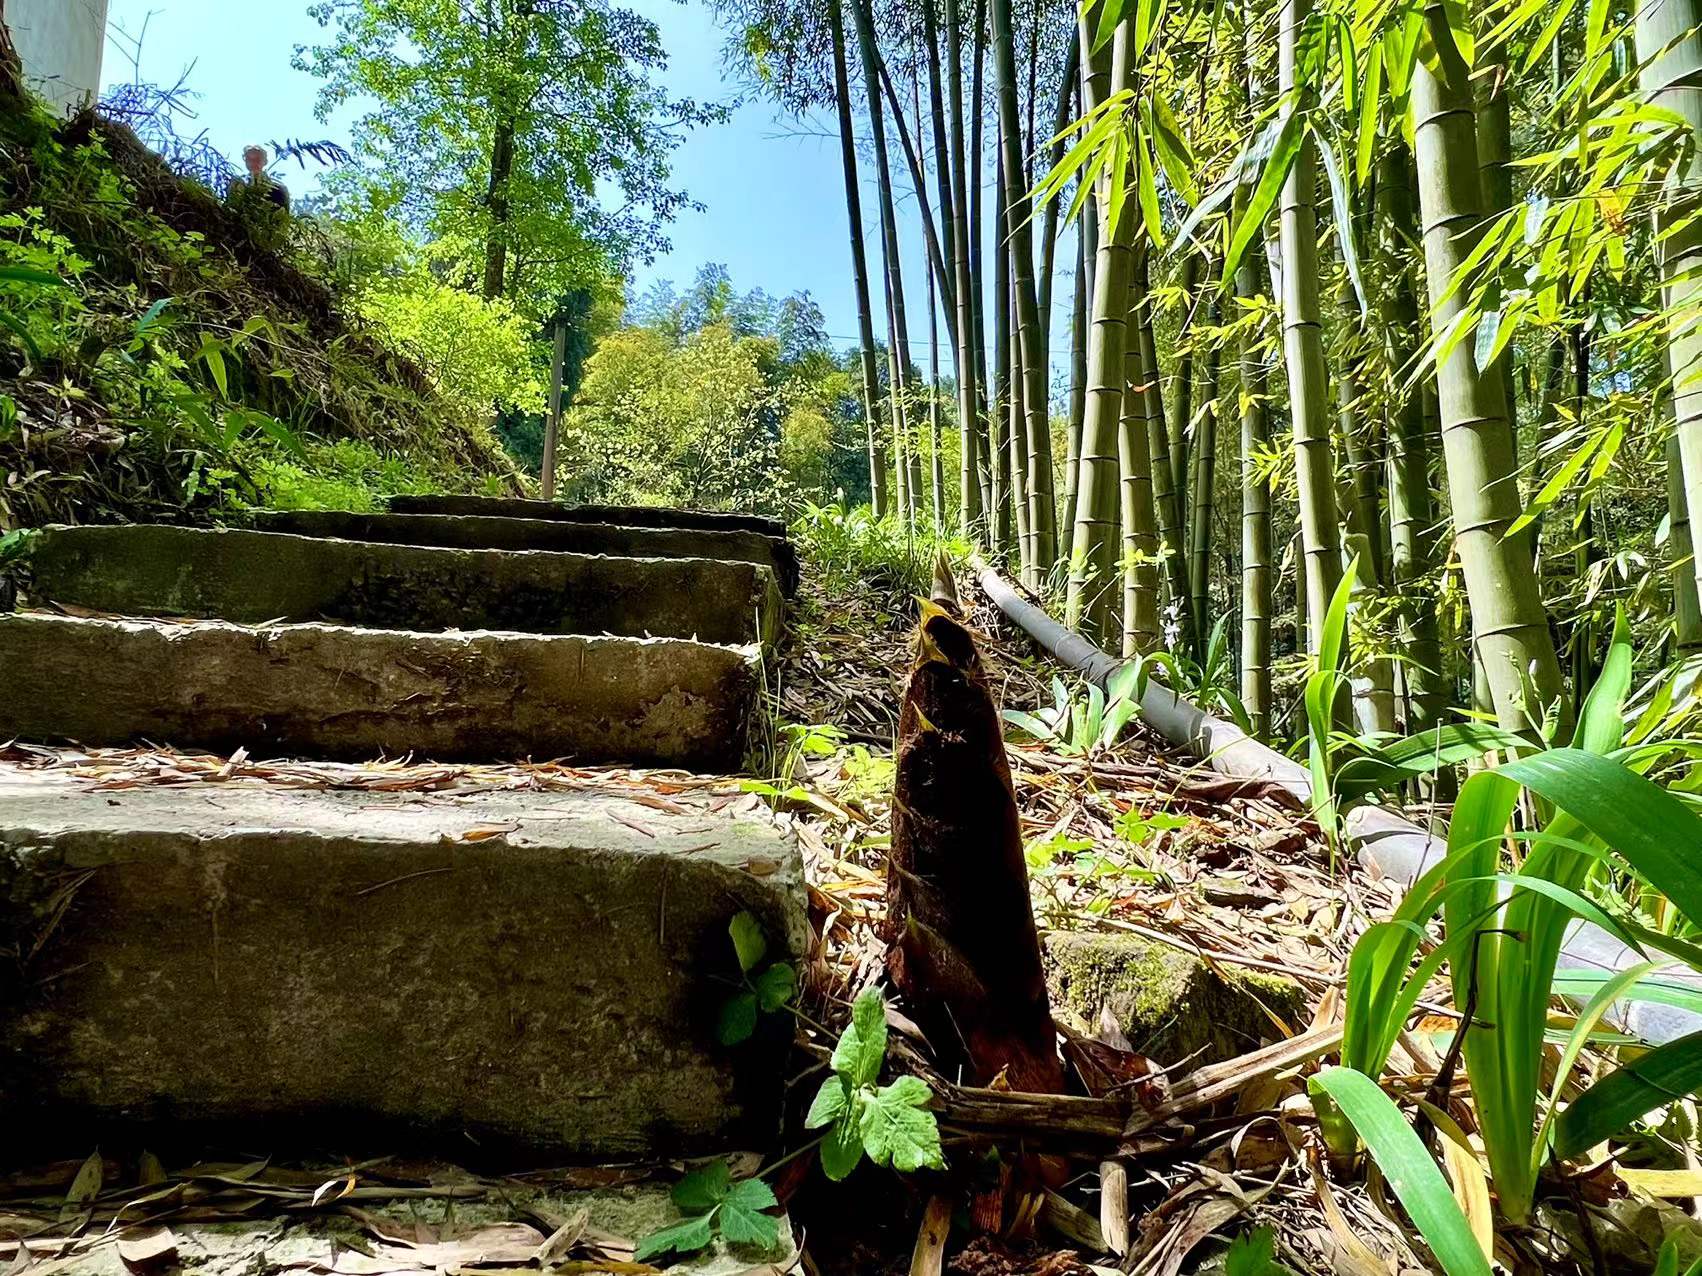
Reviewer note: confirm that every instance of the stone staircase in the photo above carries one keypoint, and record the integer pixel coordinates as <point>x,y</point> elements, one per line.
<point>532,969</point>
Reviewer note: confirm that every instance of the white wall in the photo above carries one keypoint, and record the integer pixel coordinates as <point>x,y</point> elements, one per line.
<point>61,43</point>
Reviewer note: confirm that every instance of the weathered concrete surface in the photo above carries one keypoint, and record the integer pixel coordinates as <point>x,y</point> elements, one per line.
<point>1169,1003</point>
<point>470,531</point>
<point>523,969</point>
<point>629,515</point>
<point>280,1242</point>
<point>253,577</point>
<point>344,692</point>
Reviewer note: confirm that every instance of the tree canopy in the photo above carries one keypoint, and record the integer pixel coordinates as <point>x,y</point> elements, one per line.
<point>531,137</point>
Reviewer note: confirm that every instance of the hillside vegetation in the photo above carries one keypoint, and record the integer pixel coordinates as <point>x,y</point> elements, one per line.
<point>169,355</point>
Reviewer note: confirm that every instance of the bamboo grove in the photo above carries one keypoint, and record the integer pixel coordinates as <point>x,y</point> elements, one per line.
<point>1221,297</point>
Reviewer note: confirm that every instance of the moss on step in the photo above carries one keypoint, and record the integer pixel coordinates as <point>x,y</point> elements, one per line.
<point>1169,1002</point>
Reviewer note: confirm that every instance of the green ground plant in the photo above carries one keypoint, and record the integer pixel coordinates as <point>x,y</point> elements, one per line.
<point>768,987</point>
<point>1507,891</point>
<point>1091,724</point>
<point>890,1124</point>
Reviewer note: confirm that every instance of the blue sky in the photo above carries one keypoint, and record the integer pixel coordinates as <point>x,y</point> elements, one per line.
<point>771,185</point>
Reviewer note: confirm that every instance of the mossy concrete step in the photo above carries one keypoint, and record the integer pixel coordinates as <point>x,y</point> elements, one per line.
<point>339,691</point>
<point>625,515</point>
<point>475,531</point>
<point>515,969</point>
<point>253,577</point>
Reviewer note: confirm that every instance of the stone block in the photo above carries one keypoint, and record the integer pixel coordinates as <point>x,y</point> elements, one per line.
<point>253,577</point>
<point>342,692</point>
<point>470,531</point>
<point>630,515</point>
<point>521,970</point>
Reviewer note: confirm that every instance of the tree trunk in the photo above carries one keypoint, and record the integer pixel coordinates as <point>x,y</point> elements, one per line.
<point>1373,683</point>
<point>1510,628</point>
<point>497,200</point>
<point>948,195</point>
<point>1068,86</point>
<point>552,423</point>
<point>1182,401</point>
<point>1017,461</point>
<point>859,267</point>
<point>1495,176</point>
<point>1171,547</point>
<point>977,271</point>
<point>1255,522</point>
<point>1303,348</point>
<point>895,396</point>
<point>1093,540</point>
<point>1204,476</point>
<point>1587,550</point>
<point>1042,505</point>
<point>1078,374</point>
<point>1686,613</point>
<point>939,471</point>
<point>1000,521</point>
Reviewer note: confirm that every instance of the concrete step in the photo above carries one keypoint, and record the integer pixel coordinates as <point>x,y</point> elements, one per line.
<point>254,577</point>
<point>524,969</point>
<point>473,531</point>
<point>344,692</point>
<point>624,515</point>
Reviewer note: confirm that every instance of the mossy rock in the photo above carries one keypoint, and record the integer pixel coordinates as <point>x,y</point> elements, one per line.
<point>1169,1002</point>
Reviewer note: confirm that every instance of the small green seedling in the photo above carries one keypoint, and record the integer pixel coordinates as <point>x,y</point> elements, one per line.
<point>891,1123</point>
<point>1254,1254</point>
<point>714,1206</point>
<point>765,991</point>
<point>1135,828</point>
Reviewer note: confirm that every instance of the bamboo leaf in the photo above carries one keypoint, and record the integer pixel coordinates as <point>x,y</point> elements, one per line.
<point>1349,58</point>
<point>1148,188</point>
<point>1174,154</point>
<point>1459,21</point>
<point>1285,146</point>
<point>1557,484</point>
<point>1110,14</point>
<point>1601,721</point>
<point>1370,110</point>
<point>1148,14</point>
<point>1341,206</point>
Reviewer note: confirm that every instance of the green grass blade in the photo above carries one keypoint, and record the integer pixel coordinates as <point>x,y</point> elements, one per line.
<point>1601,722</point>
<point>1409,1169</point>
<point>1583,983</point>
<point>1660,1077</point>
<point>1659,836</point>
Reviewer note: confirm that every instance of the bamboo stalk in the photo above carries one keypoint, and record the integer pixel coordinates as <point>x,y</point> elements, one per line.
<point>1092,554</point>
<point>1303,347</point>
<point>859,267</point>
<point>1510,628</point>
